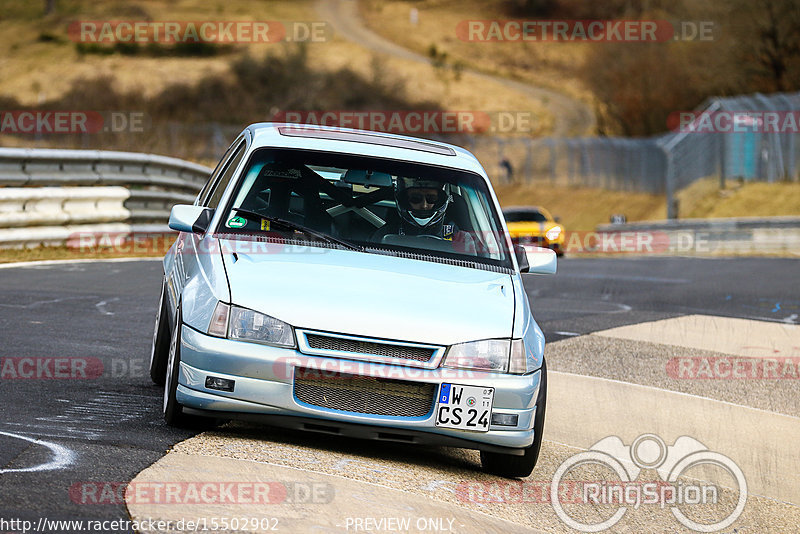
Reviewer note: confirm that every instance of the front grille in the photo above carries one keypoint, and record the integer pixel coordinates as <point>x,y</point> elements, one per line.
<point>363,394</point>
<point>339,344</point>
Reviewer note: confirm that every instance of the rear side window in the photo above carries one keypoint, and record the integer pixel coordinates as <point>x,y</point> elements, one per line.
<point>219,188</point>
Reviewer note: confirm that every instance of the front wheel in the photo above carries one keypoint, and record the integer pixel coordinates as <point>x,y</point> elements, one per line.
<point>173,412</point>
<point>511,466</point>
<point>159,351</point>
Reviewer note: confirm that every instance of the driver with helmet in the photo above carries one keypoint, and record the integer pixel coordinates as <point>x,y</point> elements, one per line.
<point>422,205</point>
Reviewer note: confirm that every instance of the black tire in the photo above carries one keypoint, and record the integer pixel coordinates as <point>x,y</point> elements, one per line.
<point>511,466</point>
<point>173,411</point>
<point>159,351</point>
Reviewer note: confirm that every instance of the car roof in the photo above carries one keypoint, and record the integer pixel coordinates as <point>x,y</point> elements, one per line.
<point>363,142</point>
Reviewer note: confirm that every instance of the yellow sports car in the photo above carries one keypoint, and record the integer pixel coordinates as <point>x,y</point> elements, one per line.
<point>534,225</point>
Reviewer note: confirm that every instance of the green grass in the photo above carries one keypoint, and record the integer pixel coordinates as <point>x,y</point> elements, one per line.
<point>583,208</point>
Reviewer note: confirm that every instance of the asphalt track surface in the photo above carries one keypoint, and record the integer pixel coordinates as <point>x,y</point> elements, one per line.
<point>109,428</point>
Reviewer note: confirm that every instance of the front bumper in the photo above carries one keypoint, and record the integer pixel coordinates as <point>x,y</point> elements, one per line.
<point>264,389</point>
<point>539,241</point>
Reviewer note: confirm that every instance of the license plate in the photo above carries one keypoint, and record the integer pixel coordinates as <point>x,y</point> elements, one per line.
<point>464,407</point>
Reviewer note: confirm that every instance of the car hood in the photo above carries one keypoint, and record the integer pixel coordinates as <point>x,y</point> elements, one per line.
<point>371,295</point>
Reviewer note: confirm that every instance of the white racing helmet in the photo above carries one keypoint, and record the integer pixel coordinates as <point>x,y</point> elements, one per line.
<point>422,203</point>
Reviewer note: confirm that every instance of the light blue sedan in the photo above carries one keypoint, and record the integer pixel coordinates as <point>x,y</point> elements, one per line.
<point>357,284</point>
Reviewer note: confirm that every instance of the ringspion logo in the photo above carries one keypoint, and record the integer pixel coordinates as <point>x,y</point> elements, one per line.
<point>625,492</point>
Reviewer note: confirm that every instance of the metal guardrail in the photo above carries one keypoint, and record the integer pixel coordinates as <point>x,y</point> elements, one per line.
<point>47,195</point>
<point>745,235</point>
<point>728,223</point>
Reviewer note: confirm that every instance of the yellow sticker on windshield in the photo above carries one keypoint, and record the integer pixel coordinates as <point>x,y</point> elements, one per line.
<point>265,224</point>
<point>447,232</point>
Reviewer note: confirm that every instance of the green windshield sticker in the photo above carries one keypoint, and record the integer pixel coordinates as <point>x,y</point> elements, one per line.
<point>236,222</point>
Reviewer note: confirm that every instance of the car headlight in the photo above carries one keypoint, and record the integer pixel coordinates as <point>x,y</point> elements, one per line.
<point>499,355</point>
<point>553,233</point>
<point>234,322</point>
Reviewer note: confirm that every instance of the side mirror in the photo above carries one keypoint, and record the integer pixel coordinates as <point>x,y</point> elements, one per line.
<point>522,258</point>
<point>192,219</point>
<point>536,260</point>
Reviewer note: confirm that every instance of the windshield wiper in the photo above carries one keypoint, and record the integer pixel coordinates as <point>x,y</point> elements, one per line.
<point>257,217</point>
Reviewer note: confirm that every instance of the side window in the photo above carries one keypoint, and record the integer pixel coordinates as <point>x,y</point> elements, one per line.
<point>219,188</point>
<point>213,178</point>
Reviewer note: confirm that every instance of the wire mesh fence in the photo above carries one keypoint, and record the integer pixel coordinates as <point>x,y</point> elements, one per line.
<point>752,137</point>
<point>608,163</point>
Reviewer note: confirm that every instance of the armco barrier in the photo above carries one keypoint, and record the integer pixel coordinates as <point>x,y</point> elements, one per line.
<point>745,235</point>
<point>47,194</point>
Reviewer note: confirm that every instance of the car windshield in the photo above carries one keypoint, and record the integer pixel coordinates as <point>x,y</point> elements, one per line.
<point>525,216</point>
<point>368,204</point>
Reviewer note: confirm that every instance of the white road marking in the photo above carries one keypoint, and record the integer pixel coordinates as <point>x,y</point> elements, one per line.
<point>585,306</point>
<point>62,433</point>
<point>51,301</point>
<point>433,485</point>
<point>38,263</point>
<point>105,409</point>
<point>101,306</point>
<point>62,456</point>
<point>654,279</point>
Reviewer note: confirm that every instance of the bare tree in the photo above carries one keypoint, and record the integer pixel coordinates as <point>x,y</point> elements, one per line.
<point>769,40</point>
